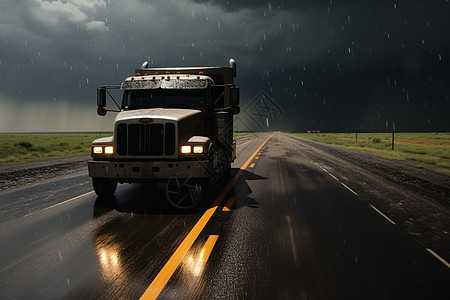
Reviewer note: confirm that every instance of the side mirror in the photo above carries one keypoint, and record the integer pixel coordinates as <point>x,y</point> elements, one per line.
<point>101,101</point>
<point>101,111</point>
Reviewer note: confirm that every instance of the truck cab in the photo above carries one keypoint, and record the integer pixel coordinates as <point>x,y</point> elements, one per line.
<point>174,125</point>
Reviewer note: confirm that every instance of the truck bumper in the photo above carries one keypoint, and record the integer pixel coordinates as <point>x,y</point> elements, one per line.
<point>151,170</point>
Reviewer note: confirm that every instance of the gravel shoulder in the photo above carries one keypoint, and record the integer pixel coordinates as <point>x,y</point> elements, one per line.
<point>429,184</point>
<point>28,173</point>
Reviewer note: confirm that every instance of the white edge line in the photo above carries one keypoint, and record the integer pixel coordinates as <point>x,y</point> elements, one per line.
<point>383,215</point>
<point>60,203</point>
<point>355,193</point>
<point>438,257</point>
<point>343,184</point>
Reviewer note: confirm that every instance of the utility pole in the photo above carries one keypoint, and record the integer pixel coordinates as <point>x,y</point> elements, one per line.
<point>393,134</point>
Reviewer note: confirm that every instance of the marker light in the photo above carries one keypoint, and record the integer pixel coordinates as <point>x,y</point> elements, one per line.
<point>185,149</point>
<point>109,150</point>
<point>198,149</point>
<point>97,150</point>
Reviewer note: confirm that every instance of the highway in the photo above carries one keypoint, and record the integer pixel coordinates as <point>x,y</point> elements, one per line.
<point>292,222</point>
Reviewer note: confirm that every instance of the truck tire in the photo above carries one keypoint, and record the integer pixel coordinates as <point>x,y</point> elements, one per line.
<point>104,187</point>
<point>185,193</point>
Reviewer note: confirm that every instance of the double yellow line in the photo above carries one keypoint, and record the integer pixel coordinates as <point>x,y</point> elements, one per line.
<point>169,268</point>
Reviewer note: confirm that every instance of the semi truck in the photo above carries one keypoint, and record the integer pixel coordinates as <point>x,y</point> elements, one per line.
<point>174,126</point>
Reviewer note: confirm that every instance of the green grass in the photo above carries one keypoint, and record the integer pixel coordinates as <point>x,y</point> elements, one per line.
<point>425,150</point>
<point>20,148</point>
<point>239,134</point>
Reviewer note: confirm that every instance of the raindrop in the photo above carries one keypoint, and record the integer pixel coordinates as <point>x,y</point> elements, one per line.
<point>440,57</point>
<point>264,37</point>
<point>117,66</point>
<point>269,6</point>
<point>395,5</point>
<point>87,80</point>
<point>218,24</point>
<point>260,48</point>
<point>193,44</point>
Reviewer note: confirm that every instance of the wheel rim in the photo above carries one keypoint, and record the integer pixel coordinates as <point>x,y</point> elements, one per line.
<point>184,193</point>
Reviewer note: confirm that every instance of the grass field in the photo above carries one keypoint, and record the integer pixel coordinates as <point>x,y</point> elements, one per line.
<point>19,148</point>
<point>425,150</point>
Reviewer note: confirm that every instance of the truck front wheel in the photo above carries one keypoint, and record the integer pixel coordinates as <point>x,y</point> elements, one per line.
<point>104,187</point>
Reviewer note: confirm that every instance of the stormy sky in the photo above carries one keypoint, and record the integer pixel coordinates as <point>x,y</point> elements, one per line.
<point>324,65</point>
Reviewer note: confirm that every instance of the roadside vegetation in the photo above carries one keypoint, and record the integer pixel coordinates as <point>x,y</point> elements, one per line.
<point>425,150</point>
<point>239,134</point>
<point>20,148</point>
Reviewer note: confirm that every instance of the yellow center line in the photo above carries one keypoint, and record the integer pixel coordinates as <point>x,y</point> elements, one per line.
<point>169,268</point>
<point>252,165</point>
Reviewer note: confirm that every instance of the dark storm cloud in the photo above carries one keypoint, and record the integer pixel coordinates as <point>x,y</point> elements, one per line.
<point>331,65</point>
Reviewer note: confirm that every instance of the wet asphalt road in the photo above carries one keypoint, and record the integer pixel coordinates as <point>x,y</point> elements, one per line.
<point>295,223</point>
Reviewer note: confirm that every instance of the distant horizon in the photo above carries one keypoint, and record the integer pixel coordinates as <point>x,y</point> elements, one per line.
<point>239,131</point>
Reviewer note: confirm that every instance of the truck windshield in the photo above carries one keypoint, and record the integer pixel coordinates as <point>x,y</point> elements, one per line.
<point>153,98</point>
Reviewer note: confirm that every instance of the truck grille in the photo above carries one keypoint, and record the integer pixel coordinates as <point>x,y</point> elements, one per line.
<point>146,139</point>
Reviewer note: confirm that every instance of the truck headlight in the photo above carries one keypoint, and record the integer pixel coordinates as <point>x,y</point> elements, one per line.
<point>97,150</point>
<point>198,149</point>
<point>185,149</point>
<point>109,150</point>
